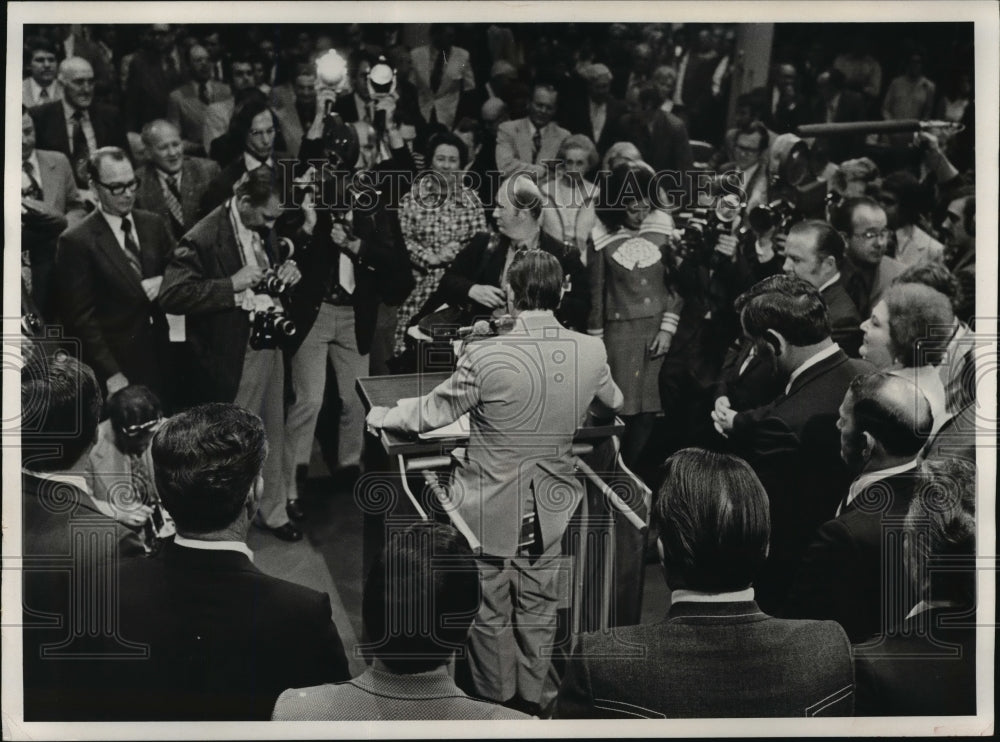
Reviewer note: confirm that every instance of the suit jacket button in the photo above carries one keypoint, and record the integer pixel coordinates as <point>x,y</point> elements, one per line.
<point>643,281</point>
<point>617,315</point>
<point>647,300</point>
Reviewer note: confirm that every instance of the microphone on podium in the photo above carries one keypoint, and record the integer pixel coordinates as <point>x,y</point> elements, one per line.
<point>487,328</point>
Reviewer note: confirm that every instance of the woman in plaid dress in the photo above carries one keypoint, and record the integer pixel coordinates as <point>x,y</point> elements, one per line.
<point>437,218</point>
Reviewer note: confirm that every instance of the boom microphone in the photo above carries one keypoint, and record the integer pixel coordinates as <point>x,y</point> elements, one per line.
<point>901,126</point>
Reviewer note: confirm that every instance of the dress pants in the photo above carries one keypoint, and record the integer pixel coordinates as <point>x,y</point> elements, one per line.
<point>510,645</point>
<point>332,334</point>
<point>261,391</point>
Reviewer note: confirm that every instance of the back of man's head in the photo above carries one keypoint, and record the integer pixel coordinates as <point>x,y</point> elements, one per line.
<point>60,408</point>
<point>941,525</point>
<point>892,410</point>
<point>714,522</point>
<point>206,461</point>
<point>828,241</point>
<point>535,279</point>
<point>788,306</point>
<point>133,413</point>
<point>421,597</point>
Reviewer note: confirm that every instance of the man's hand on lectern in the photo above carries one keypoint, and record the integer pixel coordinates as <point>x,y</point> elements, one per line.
<point>376,415</point>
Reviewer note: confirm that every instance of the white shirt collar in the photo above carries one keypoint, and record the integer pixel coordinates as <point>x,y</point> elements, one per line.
<point>115,222</point>
<point>36,89</point>
<point>191,543</point>
<point>869,478</point>
<point>69,110</point>
<point>251,162</point>
<point>833,279</point>
<point>811,361</point>
<point>695,596</point>
<point>163,175</point>
<point>35,167</point>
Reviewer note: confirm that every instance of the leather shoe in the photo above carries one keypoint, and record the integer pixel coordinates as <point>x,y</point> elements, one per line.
<point>294,510</point>
<point>287,532</point>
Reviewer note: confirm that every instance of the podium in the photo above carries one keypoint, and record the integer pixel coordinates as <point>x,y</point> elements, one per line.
<point>606,536</point>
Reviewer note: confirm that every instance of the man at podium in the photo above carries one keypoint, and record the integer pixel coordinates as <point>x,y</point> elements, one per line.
<point>526,391</point>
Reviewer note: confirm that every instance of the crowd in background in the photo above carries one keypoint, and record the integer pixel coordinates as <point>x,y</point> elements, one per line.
<point>820,326</point>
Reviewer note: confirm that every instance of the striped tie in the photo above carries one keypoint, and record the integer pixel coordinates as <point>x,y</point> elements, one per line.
<point>172,196</point>
<point>131,248</point>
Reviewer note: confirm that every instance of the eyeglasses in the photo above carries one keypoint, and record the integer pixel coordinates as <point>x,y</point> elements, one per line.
<point>117,189</point>
<point>873,234</point>
<point>132,431</point>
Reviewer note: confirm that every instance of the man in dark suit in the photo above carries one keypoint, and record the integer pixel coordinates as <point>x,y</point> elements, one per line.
<point>155,70</point>
<point>214,279</point>
<point>171,184</point>
<point>661,137</point>
<point>427,565</point>
<point>69,540</point>
<point>716,654</point>
<point>792,442</point>
<point>852,560</point>
<point>75,125</point>
<point>785,107</point>
<point>867,271</point>
<point>926,666</point>
<point>599,114</point>
<point>476,277</point>
<point>223,638</point>
<point>814,252</point>
<point>107,276</point>
<point>837,105</point>
<point>355,259</point>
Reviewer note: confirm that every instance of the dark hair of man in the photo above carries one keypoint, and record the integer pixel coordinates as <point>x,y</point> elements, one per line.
<point>789,306</point>
<point>943,511</point>
<point>241,56</point>
<point>99,156</point>
<point>714,521</point>
<point>935,275</point>
<point>421,597</point>
<point>133,405</point>
<point>60,408</point>
<point>920,323</point>
<point>248,109</point>
<point>442,138</point>
<point>205,461</point>
<point>842,217</point>
<point>625,184</point>
<point>535,278</point>
<point>756,127</point>
<point>829,242</point>
<point>34,44</point>
<point>899,422</point>
<point>258,185</point>
<point>911,197</point>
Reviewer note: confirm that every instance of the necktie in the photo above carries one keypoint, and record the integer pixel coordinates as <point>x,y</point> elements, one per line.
<point>438,72</point>
<point>203,92</point>
<point>131,248</point>
<point>172,196</point>
<point>536,145</point>
<point>34,189</point>
<point>43,94</point>
<point>81,150</point>
<point>258,250</point>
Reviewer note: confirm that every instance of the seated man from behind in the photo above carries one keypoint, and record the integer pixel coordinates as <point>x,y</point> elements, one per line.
<point>716,654</point>
<point>428,565</point>
<point>224,638</point>
<point>927,664</point>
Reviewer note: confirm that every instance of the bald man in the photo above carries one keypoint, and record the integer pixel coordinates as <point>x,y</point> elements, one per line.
<point>883,422</point>
<point>171,183</point>
<point>76,125</point>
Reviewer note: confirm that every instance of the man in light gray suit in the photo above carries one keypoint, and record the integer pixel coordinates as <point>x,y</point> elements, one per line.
<point>526,144</point>
<point>41,85</point>
<point>526,391</point>
<point>188,104</point>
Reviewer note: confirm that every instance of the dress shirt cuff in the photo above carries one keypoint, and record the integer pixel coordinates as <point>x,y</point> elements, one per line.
<point>669,322</point>
<point>598,333</point>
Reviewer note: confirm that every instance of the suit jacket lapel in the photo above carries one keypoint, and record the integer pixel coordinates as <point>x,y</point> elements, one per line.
<point>190,187</point>
<point>108,244</point>
<point>47,178</point>
<point>227,250</point>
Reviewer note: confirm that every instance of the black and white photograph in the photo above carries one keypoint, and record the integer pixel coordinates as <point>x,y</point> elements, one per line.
<point>495,369</point>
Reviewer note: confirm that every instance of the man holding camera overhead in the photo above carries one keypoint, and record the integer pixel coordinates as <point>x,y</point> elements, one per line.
<point>229,275</point>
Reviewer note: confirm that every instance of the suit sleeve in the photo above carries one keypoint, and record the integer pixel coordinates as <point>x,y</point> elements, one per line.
<point>506,154</point>
<point>574,310</point>
<point>595,279</point>
<point>186,290</point>
<point>576,696</point>
<point>447,402</point>
<point>824,585</point>
<point>459,276</point>
<point>77,284</point>
<point>380,253</point>
<point>74,203</point>
<point>608,399</point>
<point>329,660</point>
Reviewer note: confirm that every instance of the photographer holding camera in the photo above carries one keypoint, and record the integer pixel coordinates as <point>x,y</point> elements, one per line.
<point>230,281</point>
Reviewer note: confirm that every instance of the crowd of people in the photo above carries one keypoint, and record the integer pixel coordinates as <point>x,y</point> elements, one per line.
<point>228,231</point>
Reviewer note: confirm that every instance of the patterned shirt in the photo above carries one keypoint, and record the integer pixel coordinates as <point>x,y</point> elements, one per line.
<point>430,223</point>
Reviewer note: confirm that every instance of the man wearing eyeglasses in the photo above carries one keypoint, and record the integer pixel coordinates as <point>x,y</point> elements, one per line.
<point>107,276</point>
<point>76,125</point>
<point>867,270</point>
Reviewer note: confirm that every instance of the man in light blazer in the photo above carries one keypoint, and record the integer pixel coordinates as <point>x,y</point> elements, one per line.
<point>526,391</point>
<point>526,144</point>
<point>188,104</point>
<point>716,653</point>
<point>41,85</point>
<point>191,176</point>
<point>441,73</point>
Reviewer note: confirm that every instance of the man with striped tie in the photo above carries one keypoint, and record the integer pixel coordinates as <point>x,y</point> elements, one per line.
<point>527,144</point>
<point>107,276</point>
